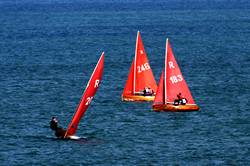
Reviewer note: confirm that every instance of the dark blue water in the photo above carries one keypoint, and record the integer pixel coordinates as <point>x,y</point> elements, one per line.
<point>48,50</point>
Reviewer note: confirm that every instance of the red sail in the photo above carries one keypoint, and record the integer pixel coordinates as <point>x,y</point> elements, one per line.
<point>143,75</point>
<point>128,89</point>
<point>174,80</point>
<point>159,97</point>
<point>88,95</point>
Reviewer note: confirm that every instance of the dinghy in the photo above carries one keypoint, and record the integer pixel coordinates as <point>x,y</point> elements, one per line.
<point>141,84</point>
<point>173,93</point>
<point>87,97</point>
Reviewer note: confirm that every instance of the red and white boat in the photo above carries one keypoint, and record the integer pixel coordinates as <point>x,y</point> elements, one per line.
<point>87,97</point>
<point>171,84</point>
<point>140,76</point>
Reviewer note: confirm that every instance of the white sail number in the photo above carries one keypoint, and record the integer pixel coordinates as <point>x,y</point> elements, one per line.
<point>175,79</point>
<point>89,99</point>
<point>143,67</point>
<point>97,82</point>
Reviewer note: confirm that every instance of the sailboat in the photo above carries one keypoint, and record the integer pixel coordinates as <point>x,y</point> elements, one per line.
<point>173,93</point>
<point>86,99</point>
<point>140,77</point>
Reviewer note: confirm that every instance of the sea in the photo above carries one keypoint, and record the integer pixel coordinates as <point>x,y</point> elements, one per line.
<point>49,48</point>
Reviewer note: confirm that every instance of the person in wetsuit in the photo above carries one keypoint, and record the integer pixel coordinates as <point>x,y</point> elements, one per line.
<point>59,131</point>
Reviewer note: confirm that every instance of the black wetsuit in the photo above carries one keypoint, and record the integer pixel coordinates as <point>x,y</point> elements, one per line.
<point>59,131</point>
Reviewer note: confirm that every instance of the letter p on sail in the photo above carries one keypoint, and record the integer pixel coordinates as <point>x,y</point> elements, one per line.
<point>97,83</point>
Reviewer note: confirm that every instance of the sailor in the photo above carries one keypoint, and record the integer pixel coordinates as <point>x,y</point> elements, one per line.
<point>151,92</point>
<point>59,131</point>
<point>148,91</point>
<point>180,100</point>
<point>179,97</point>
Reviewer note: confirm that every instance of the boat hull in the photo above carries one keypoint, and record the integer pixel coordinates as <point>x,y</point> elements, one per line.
<point>175,108</point>
<point>137,98</point>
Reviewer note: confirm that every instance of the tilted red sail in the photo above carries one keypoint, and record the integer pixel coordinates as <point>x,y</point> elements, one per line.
<point>174,80</point>
<point>88,95</point>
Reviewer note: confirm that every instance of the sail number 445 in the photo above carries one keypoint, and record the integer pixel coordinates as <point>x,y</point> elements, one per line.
<point>143,67</point>
<point>175,79</point>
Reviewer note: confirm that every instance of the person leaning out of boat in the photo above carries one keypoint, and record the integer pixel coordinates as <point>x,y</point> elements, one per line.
<point>147,91</point>
<point>180,100</point>
<point>59,131</point>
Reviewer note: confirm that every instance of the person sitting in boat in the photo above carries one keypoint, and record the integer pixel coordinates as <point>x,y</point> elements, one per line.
<point>180,100</point>
<point>147,91</point>
<point>59,131</point>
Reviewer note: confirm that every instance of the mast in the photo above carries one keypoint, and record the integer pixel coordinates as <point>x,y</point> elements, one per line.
<point>136,45</point>
<point>165,73</point>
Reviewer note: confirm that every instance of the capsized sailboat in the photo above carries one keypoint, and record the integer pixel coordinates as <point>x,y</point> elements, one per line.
<point>87,97</point>
<point>173,93</point>
<point>140,78</point>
